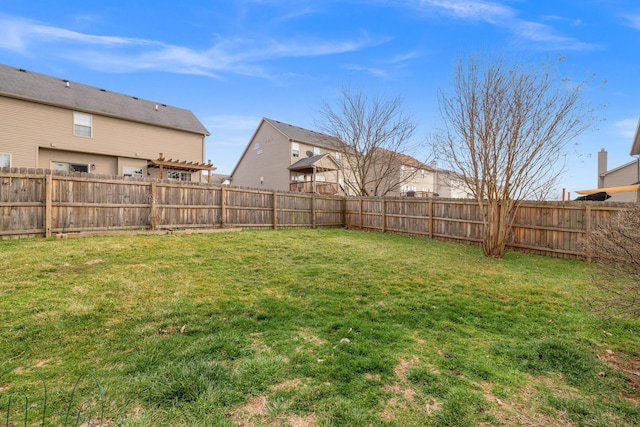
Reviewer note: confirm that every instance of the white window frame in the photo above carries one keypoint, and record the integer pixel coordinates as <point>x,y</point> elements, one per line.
<point>295,149</point>
<point>69,166</point>
<point>179,176</point>
<point>339,158</point>
<point>4,157</point>
<point>82,125</point>
<point>135,172</point>
<point>316,151</point>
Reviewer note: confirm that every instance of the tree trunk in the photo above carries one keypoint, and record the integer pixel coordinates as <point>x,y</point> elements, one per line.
<point>496,229</point>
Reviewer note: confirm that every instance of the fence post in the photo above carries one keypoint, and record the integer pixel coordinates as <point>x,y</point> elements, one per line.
<point>275,210</point>
<point>430,216</point>
<point>384,215</point>
<point>153,218</point>
<point>48,204</point>
<point>223,206</point>
<point>361,213</point>
<point>587,227</point>
<point>313,211</point>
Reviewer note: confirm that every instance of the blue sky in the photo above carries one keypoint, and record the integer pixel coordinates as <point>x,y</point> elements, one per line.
<point>234,62</point>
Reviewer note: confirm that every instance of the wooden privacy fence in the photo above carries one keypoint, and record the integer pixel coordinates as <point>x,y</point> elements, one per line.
<point>548,228</point>
<point>37,202</point>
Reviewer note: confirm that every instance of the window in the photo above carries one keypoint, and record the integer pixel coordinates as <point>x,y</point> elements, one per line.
<point>295,149</point>
<point>82,124</point>
<point>5,160</point>
<point>70,167</point>
<point>134,172</point>
<point>316,151</point>
<point>339,158</point>
<point>179,176</point>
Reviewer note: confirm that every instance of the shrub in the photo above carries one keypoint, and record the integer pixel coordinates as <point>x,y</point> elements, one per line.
<point>615,247</point>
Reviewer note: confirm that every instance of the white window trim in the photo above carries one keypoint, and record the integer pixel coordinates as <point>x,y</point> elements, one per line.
<point>132,171</point>
<point>80,122</point>
<point>181,175</point>
<point>10,159</point>
<point>295,149</point>
<point>69,166</point>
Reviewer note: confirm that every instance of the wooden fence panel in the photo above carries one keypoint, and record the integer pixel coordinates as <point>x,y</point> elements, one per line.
<point>22,200</point>
<point>294,210</point>
<point>42,202</point>
<point>329,211</point>
<point>249,208</point>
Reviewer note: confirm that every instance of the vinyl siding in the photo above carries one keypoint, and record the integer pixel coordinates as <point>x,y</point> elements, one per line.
<point>625,175</point>
<point>267,156</point>
<point>29,128</point>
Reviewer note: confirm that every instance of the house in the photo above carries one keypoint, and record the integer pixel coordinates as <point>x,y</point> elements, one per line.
<point>52,123</point>
<point>622,183</point>
<point>288,158</point>
<point>283,157</point>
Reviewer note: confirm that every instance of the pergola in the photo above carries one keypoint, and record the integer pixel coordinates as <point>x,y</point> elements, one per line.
<point>161,163</point>
<point>314,164</point>
<point>591,194</point>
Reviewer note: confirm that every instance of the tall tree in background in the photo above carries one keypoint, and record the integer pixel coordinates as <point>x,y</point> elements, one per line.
<point>375,134</point>
<point>506,127</point>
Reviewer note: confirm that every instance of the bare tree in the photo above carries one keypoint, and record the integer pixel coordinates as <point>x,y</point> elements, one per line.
<point>374,136</point>
<point>506,128</point>
<point>615,247</point>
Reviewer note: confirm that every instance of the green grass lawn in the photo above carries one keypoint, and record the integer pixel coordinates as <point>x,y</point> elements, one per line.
<point>306,328</point>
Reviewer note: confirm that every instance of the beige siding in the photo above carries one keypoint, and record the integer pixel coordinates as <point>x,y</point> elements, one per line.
<point>29,130</point>
<point>624,175</point>
<point>266,157</point>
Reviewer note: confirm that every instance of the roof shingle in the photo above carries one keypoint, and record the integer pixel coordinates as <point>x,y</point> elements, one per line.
<point>35,87</point>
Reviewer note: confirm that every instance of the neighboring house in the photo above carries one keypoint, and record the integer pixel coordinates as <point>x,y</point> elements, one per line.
<point>283,157</point>
<point>622,184</point>
<point>288,158</point>
<point>51,123</point>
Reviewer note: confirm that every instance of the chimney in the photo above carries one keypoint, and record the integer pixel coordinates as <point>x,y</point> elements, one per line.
<point>602,167</point>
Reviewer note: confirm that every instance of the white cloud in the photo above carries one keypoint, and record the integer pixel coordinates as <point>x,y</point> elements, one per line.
<point>548,36</point>
<point>239,56</point>
<point>633,21</point>
<point>476,10</point>
<point>626,128</point>
<point>507,17</point>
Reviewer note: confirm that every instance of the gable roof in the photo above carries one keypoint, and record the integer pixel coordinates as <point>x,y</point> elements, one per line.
<point>320,161</point>
<point>635,146</point>
<point>26,85</point>
<point>298,134</point>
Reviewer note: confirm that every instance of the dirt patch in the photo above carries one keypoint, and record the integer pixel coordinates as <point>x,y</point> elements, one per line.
<point>310,420</point>
<point>629,366</point>
<point>522,408</point>
<point>305,335</point>
<point>405,398</point>
<point>252,412</point>
<point>258,344</point>
<point>401,369</point>
<point>256,412</point>
<point>288,385</point>
<point>407,393</point>
<point>39,364</point>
